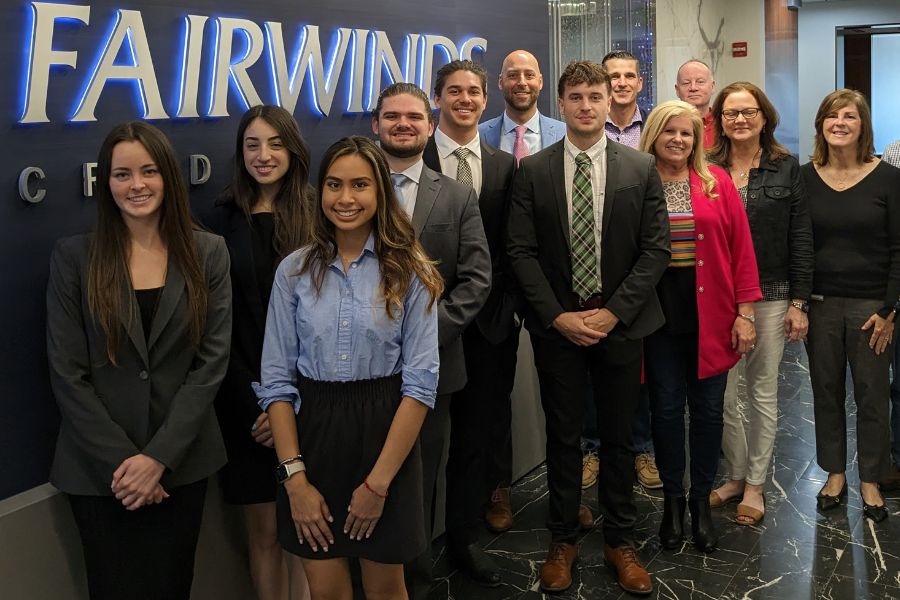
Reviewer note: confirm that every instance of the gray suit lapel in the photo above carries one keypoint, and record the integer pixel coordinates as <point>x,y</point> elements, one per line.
<point>612,177</point>
<point>132,323</point>
<point>171,294</point>
<point>429,188</point>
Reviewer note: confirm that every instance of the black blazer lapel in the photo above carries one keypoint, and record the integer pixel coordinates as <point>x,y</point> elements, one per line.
<point>429,188</point>
<point>243,266</point>
<point>612,178</point>
<point>489,171</point>
<point>430,156</point>
<point>171,294</point>
<point>133,325</point>
<point>558,182</point>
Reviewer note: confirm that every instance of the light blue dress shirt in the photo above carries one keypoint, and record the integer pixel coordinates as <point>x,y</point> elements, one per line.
<point>344,333</point>
<point>532,134</point>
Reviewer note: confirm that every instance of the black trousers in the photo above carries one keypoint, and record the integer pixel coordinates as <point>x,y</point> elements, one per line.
<point>614,369</point>
<point>146,554</point>
<point>499,371</point>
<point>490,371</point>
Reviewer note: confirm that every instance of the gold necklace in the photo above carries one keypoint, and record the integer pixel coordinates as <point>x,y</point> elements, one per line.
<point>745,173</point>
<point>849,176</point>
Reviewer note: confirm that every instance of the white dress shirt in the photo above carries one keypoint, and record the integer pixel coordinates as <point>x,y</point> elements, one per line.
<point>449,162</point>
<point>532,133</point>
<point>597,153</point>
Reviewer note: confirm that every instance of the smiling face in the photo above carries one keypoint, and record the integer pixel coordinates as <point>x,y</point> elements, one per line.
<point>520,81</point>
<point>842,127</point>
<point>403,126</point>
<point>350,195</point>
<point>265,157</point>
<point>741,128</point>
<point>461,102</point>
<point>135,182</point>
<point>626,81</point>
<point>675,142</point>
<point>584,108</point>
<point>695,85</point>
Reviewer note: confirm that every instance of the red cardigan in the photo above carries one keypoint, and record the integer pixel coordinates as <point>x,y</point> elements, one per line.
<point>726,270</point>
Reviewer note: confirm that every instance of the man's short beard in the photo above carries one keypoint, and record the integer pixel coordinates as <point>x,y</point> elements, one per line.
<point>510,99</point>
<point>399,152</point>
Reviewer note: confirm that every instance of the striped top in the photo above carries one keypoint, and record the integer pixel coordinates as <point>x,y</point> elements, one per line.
<point>681,221</point>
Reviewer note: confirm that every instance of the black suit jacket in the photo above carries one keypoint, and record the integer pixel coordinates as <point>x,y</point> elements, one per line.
<point>448,225</point>
<point>158,400</point>
<point>236,404</point>
<point>635,247</point>
<point>496,320</point>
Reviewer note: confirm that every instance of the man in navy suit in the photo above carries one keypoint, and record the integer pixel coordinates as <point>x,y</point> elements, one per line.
<point>521,83</point>
<point>491,341</point>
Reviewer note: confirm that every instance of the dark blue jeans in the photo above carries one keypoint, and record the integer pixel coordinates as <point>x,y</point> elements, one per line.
<point>670,365</point>
<point>895,406</point>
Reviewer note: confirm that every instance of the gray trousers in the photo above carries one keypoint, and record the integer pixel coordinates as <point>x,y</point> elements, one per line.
<point>835,337</point>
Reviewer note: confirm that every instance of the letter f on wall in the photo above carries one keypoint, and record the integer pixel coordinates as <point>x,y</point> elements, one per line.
<point>42,56</point>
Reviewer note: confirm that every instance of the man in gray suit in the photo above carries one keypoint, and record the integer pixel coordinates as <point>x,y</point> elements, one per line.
<point>521,83</point>
<point>448,224</point>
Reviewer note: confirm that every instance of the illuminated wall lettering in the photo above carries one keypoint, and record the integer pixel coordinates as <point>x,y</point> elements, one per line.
<point>129,27</point>
<point>126,55</point>
<point>224,70</point>
<point>42,56</point>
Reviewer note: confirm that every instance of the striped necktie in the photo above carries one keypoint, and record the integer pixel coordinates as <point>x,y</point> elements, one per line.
<point>584,257</point>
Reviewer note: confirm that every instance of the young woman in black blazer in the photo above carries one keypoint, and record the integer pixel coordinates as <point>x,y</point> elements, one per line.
<point>263,218</point>
<point>138,328</point>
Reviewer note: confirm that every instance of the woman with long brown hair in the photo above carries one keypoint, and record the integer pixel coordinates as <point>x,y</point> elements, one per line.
<point>351,348</point>
<point>263,216</point>
<point>854,201</point>
<point>768,179</point>
<point>138,327</point>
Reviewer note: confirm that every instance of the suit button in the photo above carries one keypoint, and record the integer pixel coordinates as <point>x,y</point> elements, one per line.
<point>699,236</point>
<point>700,289</point>
<point>144,375</point>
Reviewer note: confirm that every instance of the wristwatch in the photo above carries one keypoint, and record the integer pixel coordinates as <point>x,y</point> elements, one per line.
<point>800,305</point>
<point>285,471</point>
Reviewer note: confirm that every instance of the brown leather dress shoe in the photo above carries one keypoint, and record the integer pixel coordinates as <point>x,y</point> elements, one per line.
<point>556,572</point>
<point>633,577</point>
<point>585,518</point>
<point>499,516</point>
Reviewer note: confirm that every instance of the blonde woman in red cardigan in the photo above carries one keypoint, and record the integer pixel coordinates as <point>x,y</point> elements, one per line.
<point>707,296</point>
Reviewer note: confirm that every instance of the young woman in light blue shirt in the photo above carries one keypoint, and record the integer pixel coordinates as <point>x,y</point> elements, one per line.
<point>349,370</point>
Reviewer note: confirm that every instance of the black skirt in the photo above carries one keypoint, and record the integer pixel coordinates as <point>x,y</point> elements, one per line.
<point>342,428</point>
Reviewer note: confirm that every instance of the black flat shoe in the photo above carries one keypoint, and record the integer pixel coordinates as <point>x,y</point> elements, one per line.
<point>476,563</point>
<point>826,502</point>
<point>875,513</point>
<point>671,530</point>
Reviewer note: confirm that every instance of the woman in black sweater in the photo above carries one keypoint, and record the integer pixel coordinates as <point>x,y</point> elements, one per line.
<point>855,209</point>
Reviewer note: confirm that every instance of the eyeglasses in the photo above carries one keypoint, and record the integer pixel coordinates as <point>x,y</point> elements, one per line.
<point>748,113</point>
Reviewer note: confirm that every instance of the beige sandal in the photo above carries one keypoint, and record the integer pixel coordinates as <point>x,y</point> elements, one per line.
<point>715,500</point>
<point>751,516</point>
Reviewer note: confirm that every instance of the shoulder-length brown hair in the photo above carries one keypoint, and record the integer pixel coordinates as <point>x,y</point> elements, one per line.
<point>109,280</point>
<point>291,206</point>
<point>399,253</point>
<point>658,119</point>
<point>833,102</point>
<point>771,148</point>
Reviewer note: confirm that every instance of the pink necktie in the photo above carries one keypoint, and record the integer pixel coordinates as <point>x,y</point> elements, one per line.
<point>520,148</point>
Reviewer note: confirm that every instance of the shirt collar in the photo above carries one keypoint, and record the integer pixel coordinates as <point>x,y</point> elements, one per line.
<point>414,172</point>
<point>533,124</point>
<point>635,118</point>
<point>594,152</point>
<point>368,249</point>
<point>446,146</point>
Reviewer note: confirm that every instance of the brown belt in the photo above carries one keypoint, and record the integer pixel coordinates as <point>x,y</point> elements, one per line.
<point>595,301</point>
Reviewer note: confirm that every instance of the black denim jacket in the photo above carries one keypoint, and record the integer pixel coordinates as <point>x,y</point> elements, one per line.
<point>778,211</point>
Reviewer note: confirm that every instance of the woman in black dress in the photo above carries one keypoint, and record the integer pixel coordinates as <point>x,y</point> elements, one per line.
<point>263,218</point>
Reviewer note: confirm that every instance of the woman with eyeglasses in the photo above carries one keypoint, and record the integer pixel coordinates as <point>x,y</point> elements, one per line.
<point>768,180</point>
<point>854,202</point>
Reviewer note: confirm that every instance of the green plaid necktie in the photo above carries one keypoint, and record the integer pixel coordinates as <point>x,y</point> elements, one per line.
<point>584,257</point>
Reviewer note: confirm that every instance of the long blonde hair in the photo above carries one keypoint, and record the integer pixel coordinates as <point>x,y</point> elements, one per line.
<point>398,251</point>
<point>657,121</point>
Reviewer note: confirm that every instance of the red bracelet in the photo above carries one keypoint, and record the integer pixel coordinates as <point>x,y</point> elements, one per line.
<point>368,487</point>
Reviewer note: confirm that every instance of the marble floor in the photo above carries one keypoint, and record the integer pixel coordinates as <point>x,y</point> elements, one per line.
<point>794,554</point>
